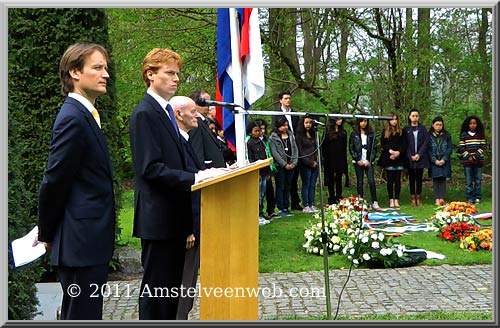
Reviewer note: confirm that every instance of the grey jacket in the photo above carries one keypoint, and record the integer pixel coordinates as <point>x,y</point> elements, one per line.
<point>278,150</point>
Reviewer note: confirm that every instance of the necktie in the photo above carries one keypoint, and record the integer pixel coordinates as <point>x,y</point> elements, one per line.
<point>95,113</point>
<point>172,118</point>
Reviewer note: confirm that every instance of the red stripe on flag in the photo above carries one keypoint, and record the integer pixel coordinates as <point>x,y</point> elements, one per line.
<point>218,109</point>
<point>245,33</point>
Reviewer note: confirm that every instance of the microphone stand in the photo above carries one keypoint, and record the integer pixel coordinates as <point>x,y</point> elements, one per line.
<point>324,234</point>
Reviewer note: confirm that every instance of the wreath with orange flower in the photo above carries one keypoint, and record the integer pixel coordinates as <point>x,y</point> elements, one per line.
<point>479,240</point>
<point>459,207</point>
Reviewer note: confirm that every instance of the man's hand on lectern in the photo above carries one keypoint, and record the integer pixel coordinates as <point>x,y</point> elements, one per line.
<point>210,173</point>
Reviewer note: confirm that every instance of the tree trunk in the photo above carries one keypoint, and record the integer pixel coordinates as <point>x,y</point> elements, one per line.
<point>282,40</point>
<point>423,100</point>
<point>407,58</point>
<point>485,69</point>
<point>344,46</point>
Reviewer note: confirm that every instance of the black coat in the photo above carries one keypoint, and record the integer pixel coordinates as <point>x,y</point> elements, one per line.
<point>308,153</point>
<point>334,153</point>
<point>356,147</point>
<point>205,144</point>
<point>193,165</point>
<point>395,142</point>
<point>256,149</point>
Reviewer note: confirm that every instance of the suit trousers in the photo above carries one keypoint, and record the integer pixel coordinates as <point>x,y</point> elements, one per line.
<point>82,293</point>
<point>163,261</point>
<point>189,279</point>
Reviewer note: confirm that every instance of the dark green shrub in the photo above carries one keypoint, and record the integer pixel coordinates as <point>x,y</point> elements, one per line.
<point>22,289</point>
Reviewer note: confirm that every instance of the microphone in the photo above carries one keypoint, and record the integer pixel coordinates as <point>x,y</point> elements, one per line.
<point>313,118</point>
<point>206,103</point>
<point>317,122</point>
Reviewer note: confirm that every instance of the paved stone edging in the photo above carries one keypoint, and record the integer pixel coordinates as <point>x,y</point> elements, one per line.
<point>411,290</point>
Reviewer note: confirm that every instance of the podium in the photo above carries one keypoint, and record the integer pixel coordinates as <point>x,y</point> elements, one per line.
<point>229,244</point>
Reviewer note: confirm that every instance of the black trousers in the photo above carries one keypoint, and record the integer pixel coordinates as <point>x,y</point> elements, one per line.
<point>163,263</point>
<point>81,286</point>
<point>294,189</point>
<point>415,176</point>
<point>336,184</point>
<point>393,183</point>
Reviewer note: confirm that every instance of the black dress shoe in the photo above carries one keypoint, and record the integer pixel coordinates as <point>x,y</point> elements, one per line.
<point>297,207</point>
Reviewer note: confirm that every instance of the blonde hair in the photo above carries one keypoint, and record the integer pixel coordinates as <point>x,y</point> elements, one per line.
<point>389,129</point>
<point>156,58</point>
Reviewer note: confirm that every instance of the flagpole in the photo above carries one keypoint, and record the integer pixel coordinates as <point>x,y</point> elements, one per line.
<point>239,118</point>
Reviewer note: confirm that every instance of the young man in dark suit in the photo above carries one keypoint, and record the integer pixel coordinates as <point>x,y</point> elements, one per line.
<point>76,210</point>
<point>204,141</point>
<point>163,215</point>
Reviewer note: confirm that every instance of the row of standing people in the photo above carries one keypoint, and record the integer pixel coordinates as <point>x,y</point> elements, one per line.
<point>412,148</point>
<point>415,148</point>
<point>284,147</point>
<point>280,145</point>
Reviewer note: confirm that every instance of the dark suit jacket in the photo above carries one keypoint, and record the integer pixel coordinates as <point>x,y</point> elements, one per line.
<point>162,183</point>
<point>206,145</point>
<point>193,165</point>
<point>76,209</point>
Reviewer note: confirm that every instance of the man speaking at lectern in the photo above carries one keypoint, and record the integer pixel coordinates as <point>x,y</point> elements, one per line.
<point>162,188</point>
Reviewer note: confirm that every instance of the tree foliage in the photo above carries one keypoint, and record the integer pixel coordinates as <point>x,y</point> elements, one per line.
<point>135,31</point>
<point>354,60</point>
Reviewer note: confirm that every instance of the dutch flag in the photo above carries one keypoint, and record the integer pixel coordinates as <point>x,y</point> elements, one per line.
<point>249,68</point>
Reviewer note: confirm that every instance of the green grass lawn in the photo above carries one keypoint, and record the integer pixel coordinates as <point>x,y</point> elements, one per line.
<point>280,242</point>
<point>127,221</point>
<point>431,316</point>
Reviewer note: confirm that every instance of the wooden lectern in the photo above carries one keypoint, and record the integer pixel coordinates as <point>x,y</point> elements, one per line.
<point>229,244</point>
